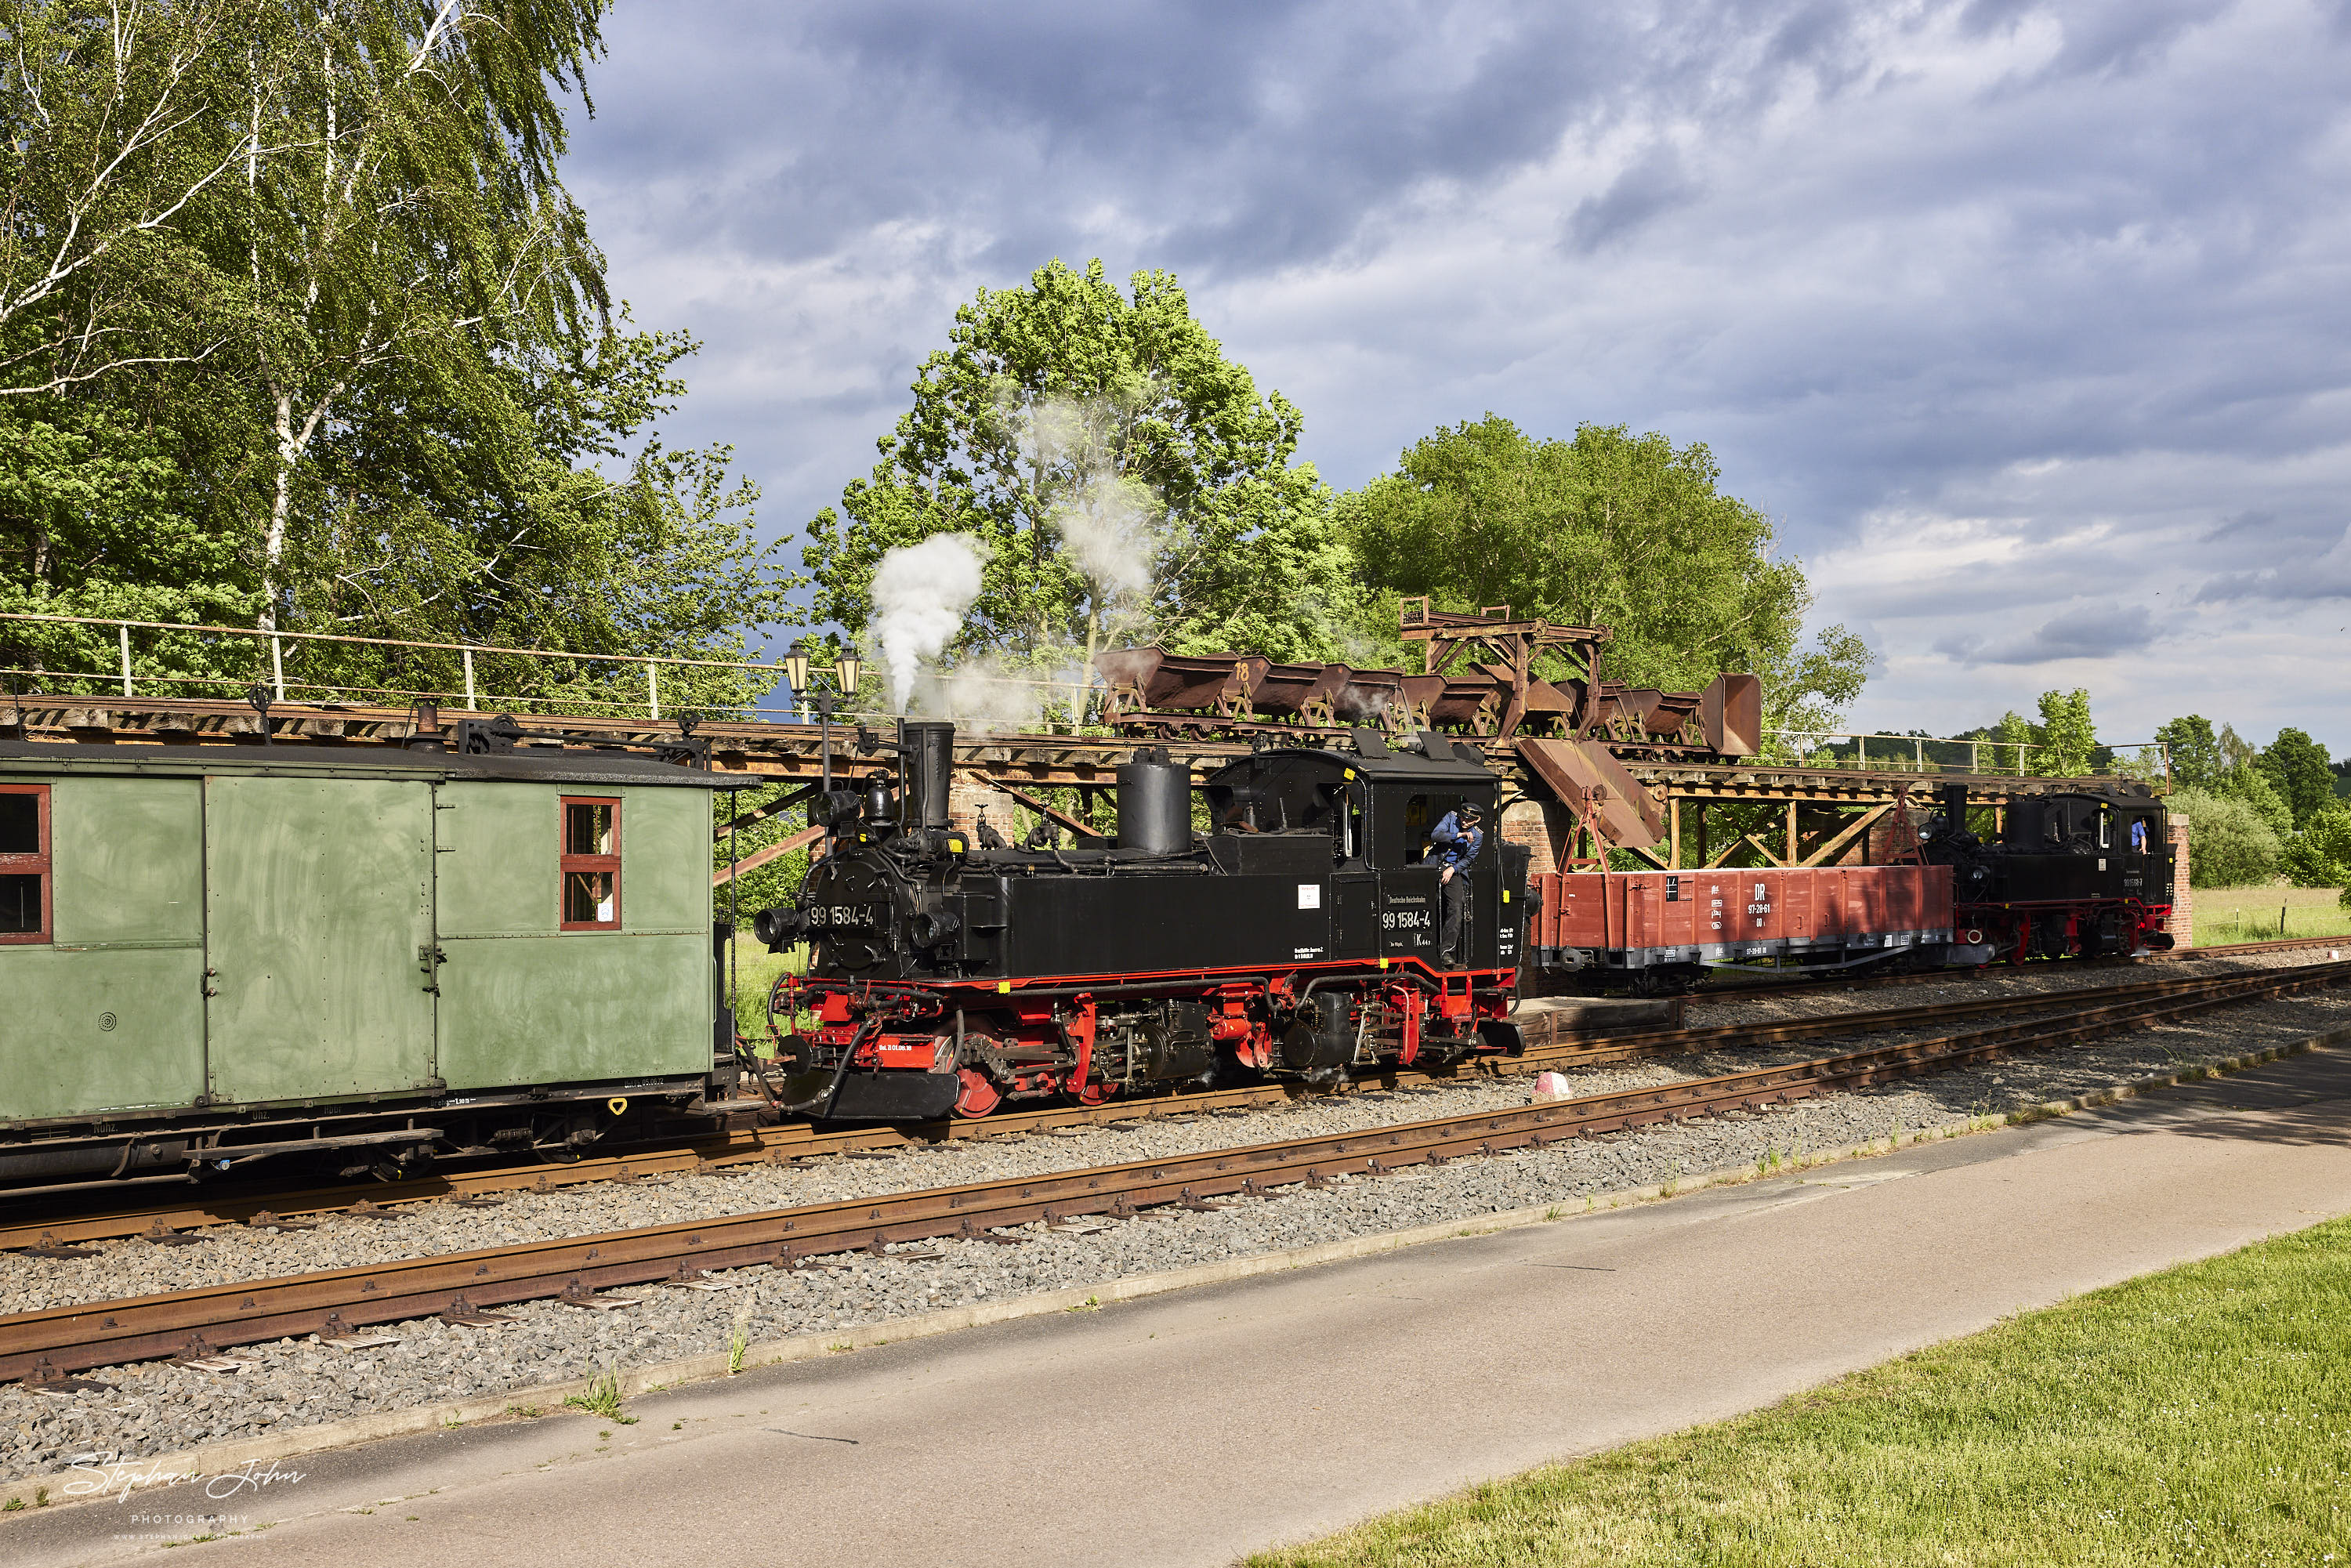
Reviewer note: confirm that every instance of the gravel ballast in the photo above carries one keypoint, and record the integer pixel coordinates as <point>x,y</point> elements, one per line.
<point>231,1253</point>
<point>157,1407</point>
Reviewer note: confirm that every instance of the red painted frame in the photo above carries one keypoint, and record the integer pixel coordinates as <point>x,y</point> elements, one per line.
<point>570,863</point>
<point>34,864</point>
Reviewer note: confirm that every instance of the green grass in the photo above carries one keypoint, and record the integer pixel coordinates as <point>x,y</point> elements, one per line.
<point>2226,915</point>
<point>2201,1415</point>
<point>756,969</point>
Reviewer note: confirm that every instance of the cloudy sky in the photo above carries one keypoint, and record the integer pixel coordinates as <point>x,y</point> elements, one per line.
<point>2031,324</point>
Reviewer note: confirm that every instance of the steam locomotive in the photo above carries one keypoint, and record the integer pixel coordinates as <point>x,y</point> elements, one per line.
<point>1296,937</point>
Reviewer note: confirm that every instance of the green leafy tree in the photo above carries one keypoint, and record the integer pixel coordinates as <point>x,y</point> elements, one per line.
<point>2069,741</point>
<point>2015,733</point>
<point>323,345</point>
<point>1607,529</point>
<point>2320,855</point>
<point>1124,480</point>
<point>414,220</point>
<point>125,126</point>
<point>2297,766</point>
<point>2229,843</point>
<point>2248,783</point>
<point>2197,760</point>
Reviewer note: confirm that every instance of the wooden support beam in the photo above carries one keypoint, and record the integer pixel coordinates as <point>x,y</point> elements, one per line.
<point>1858,825</point>
<point>1052,812</point>
<point>758,858</point>
<point>761,813</point>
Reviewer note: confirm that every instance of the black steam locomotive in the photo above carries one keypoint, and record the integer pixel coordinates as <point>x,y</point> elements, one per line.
<point>1297,936</point>
<point>2078,871</point>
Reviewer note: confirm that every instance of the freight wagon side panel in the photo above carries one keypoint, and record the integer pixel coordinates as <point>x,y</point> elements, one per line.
<point>109,1014</point>
<point>525,1001</point>
<point>318,926</point>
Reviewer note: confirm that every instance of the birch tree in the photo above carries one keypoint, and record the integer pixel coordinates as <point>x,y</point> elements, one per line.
<point>416,227</point>
<point>122,133</point>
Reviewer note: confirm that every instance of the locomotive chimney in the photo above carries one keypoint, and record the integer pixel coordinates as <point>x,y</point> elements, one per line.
<point>927,760</point>
<point>1154,804</point>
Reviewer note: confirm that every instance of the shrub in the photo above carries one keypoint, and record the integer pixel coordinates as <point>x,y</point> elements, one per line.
<point>2229,843</point>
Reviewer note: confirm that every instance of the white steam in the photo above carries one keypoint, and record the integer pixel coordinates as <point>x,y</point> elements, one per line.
<point>919,592</point>
<point>1107,519</point>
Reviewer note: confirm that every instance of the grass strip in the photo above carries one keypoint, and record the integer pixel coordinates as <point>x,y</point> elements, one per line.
<point>2201,1415</point>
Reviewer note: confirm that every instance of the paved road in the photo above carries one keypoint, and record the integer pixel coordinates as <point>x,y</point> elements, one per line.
<point>1194,1427</point>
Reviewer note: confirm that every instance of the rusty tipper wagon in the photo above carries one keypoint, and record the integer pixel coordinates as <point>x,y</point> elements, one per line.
<point>364,959</point>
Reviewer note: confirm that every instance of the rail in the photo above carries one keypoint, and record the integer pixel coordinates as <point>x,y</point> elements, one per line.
<point>1548,1047</point>
<point>45,1346</point>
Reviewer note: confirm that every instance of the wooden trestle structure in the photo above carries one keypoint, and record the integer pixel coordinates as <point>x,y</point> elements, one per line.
<point>1815,817</point>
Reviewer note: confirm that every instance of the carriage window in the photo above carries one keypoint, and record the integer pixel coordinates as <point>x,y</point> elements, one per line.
<point>2105,828</point>
<point>24,862</point>
<point>591,864</point>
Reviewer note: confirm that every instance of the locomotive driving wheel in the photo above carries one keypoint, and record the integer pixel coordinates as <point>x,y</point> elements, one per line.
<point>978,1094</point>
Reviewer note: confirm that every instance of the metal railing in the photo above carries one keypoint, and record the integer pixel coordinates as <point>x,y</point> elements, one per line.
<point>2151,759</point>
<point>2148,760</point>
<point>129,677</point>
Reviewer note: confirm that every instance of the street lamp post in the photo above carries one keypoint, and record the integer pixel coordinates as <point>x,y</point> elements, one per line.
<point>800,678</point>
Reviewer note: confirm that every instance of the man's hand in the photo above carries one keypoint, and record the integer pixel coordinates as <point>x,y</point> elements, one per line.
<point>1445,876</point>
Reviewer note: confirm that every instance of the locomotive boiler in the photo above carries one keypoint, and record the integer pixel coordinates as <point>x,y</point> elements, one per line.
<point>1280,922</point>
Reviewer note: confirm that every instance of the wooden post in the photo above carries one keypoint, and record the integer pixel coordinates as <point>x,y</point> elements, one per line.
<point>1674,817</point>
<point>1792,833</point>
<point>125,631</point>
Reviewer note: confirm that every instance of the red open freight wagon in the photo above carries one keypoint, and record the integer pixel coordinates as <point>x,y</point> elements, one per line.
<point>1667,927</point>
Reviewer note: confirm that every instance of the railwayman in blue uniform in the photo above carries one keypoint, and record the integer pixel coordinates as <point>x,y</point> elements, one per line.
<point>1454,846</point>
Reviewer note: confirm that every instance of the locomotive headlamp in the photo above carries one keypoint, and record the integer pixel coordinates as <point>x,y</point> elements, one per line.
<point>777,928</point>
<point>844,672</point>
<point>796,668</point>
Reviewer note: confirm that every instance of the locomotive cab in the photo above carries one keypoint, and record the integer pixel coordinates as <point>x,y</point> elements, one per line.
<point>2076,871</point>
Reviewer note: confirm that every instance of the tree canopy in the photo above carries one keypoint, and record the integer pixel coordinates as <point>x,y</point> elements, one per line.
<point>2297,766</point>
<point>1124,481</point>
<point>1611,529</point>
<point>300,329</point>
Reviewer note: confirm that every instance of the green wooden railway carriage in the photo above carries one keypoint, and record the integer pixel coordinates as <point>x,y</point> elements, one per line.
<point>212,957</point>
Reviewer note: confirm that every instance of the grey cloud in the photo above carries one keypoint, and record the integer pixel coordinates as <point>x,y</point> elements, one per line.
<point>1654,183</point>
<point>2091,631</point>
<point>2126,258</point>
<point>2308,583</point>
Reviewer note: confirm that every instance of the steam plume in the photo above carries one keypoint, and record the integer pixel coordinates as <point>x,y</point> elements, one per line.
<point>919,592</point>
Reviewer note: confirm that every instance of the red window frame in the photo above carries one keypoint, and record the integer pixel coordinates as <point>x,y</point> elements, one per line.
<point>33,864</point>
<point>586,864</point>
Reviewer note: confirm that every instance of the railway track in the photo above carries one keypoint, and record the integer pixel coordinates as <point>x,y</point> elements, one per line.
<point>1943,977</point>
<point>46,1346</point>
<point>799,1140</point>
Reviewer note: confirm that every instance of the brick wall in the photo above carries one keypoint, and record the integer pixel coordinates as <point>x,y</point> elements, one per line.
<point>2182,925</point>
<point>967,796</point>
<point>1543,828</point>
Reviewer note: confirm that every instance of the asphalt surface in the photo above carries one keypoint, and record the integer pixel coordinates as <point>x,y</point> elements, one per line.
<point>1194,1427</point>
